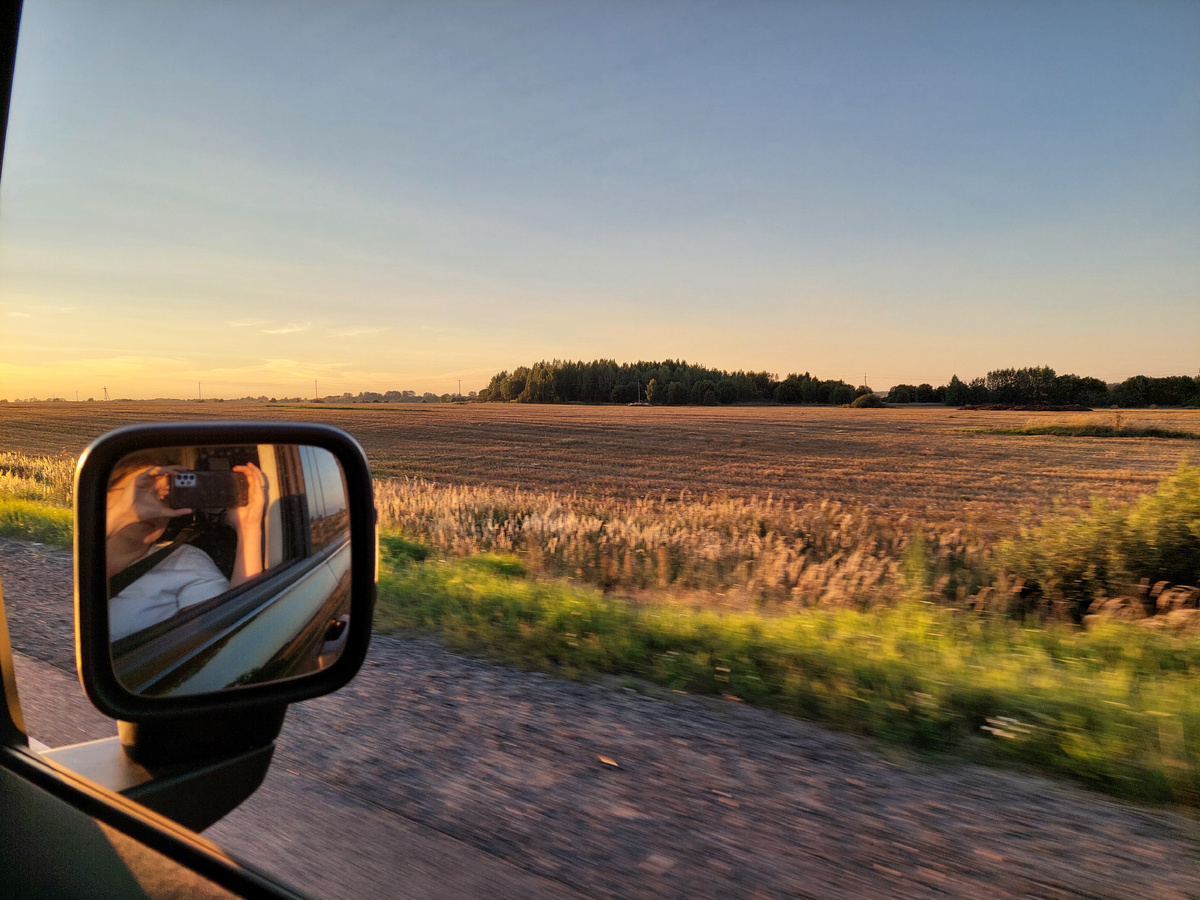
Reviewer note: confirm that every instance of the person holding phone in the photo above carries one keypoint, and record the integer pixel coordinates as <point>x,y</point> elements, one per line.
<point>179,574</point>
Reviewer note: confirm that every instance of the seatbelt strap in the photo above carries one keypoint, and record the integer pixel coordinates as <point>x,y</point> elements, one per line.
<point>130,574</point>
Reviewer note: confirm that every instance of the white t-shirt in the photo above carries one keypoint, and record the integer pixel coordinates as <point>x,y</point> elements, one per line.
<point>186,577</point>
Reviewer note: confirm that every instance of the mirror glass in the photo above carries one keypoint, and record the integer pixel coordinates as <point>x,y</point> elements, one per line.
<point>226,565</point>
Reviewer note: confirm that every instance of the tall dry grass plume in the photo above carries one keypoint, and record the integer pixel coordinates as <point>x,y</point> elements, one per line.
<point>745,550</point>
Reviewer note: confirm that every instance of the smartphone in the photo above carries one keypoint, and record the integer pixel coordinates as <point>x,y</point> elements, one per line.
<point>207,490</point>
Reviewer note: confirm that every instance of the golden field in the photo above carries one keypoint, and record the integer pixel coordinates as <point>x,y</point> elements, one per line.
<point>928,462</point>
<point>811,505</point>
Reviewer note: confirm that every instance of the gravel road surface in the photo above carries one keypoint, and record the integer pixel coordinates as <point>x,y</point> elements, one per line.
<point>434,775</point>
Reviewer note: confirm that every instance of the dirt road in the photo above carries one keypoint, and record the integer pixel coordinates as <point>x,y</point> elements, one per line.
<point>436,775</point>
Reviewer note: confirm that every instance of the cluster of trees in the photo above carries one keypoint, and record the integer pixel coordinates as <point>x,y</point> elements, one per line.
<point>917,393</point>
<point>807,389</point>
<point>668,383</point>
<point>1141,390</point>
<point>1041,386</point>
<point>1033,386</point>
<point>674,383</point>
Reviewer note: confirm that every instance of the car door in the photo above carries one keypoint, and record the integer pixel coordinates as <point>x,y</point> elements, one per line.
<point>64,835</point>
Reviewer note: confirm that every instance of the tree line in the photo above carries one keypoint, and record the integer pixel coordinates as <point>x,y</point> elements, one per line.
<point>679,383</point>
<point>1041,386</point>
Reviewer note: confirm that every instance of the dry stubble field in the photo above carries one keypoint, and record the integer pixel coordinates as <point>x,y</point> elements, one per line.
<point>929,463</point>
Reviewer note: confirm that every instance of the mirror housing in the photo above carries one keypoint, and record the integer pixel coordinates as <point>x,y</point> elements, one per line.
<point>93,639</point>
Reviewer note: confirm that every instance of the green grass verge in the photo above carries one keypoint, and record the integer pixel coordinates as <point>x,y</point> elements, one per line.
<point>29,520</point>
<point>1104,431</point>
<point>1116,706</point>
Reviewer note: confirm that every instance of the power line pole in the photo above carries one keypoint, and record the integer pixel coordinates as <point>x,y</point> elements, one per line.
<point>316,393</point>
<point>106,394</point>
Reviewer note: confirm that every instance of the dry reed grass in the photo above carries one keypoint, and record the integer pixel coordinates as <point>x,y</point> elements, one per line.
<point>742,550</point>
<point>45,479</point>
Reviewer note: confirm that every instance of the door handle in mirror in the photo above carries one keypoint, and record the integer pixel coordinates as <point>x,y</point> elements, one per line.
<point>221,565</point>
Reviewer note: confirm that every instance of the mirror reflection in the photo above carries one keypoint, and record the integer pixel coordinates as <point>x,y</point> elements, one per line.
<point>226,565</point>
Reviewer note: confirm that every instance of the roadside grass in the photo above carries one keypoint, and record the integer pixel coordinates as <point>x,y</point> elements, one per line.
<point>35,497</point>
<point>1115,705</point>
<point>27,476</point>
<point>30,520</point>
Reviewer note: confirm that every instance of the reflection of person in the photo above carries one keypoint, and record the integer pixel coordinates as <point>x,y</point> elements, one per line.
<point>137,517</point>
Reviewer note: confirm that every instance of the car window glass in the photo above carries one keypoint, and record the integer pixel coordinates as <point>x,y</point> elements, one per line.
<point>326,492</point>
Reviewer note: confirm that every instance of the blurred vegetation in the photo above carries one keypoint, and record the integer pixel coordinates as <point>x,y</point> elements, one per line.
<point>35,497</point>
<point>1113,705</point>
<point>738,551</point>
<point>1127,561</point>
<point>30,520</point>
<point>1132,554</point>
<point>1075,649</point>
<point>26,476</point>
<point>776,556</point>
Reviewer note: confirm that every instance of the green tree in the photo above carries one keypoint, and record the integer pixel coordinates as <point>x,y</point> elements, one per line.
<point>790,390</point>
<point>512,386</point>
<point>841,394</point>
<point>701,389</point>
<point>956,392</point>
<point>624,393</point>
<point>539,386</point>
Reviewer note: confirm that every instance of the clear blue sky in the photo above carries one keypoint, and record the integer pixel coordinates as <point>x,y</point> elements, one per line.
<point>380,196</point>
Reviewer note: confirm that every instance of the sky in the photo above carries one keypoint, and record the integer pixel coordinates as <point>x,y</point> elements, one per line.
<point>253,196</point>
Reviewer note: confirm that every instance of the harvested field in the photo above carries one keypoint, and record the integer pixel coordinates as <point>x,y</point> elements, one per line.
<point>865,515</point>
<point>931,463</point>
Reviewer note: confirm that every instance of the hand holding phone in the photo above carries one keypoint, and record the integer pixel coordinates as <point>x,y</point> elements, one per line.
<point>190,489</point>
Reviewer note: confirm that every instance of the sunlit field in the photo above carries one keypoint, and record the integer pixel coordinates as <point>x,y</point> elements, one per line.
<point>1008,586</point>
<point>766,508</point>
<point>936,463</point>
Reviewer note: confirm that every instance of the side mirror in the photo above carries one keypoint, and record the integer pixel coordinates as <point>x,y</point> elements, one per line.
<point>221,567</point>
